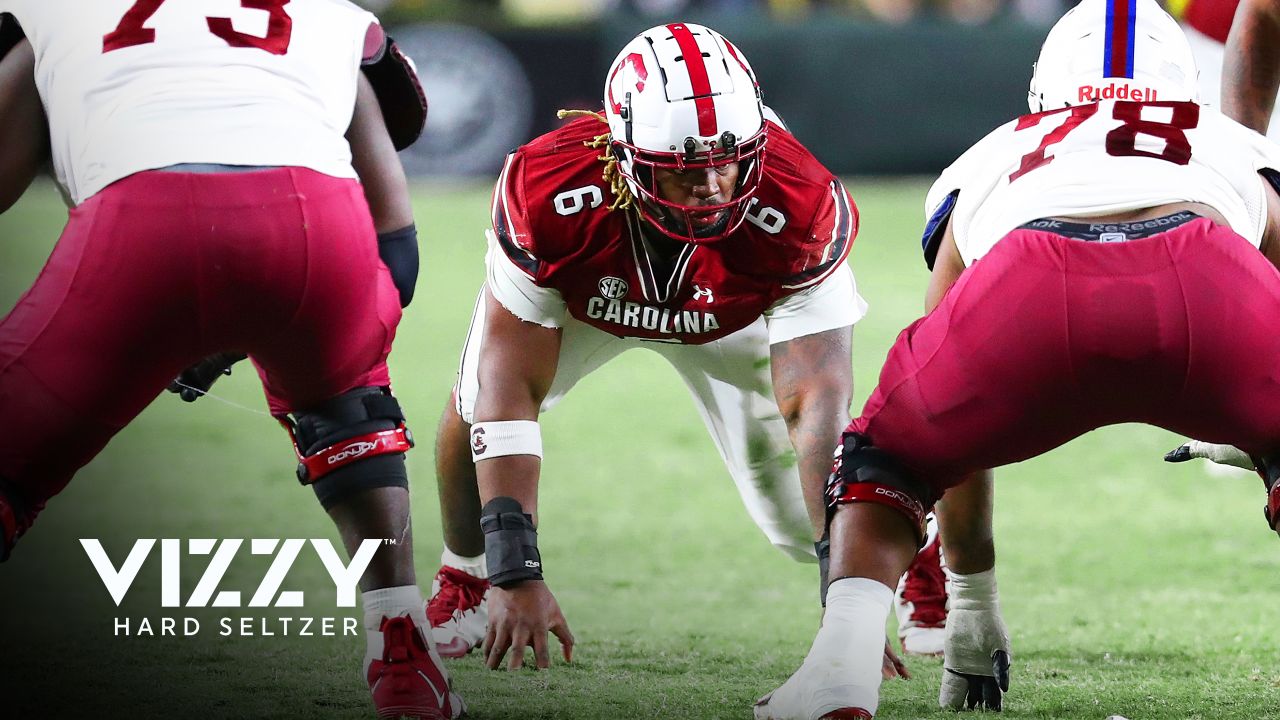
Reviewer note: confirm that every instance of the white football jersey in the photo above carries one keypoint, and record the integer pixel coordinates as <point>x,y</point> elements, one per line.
<point>1102,158</point>
<point>133,85</point>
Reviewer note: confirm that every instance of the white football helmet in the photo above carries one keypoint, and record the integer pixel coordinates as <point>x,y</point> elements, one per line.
<point>681,96</point>
<point>1113,49</point>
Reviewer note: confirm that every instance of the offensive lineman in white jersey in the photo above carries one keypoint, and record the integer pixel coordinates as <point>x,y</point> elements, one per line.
<point>204,148</point>
<point>1113,261</point>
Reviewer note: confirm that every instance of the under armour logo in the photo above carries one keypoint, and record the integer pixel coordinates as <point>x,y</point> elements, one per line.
<point>700,293</point>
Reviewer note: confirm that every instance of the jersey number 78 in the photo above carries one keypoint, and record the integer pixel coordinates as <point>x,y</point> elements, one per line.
<point>130,31</point>
<point>1122,140</point>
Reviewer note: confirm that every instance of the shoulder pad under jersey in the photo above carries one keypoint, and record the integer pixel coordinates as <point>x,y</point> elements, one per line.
<point>551,198</point>
<point>820,218</point>
<point>394,78</point>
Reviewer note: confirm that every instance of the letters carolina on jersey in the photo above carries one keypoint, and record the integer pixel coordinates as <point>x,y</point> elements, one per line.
<point>551,217</point>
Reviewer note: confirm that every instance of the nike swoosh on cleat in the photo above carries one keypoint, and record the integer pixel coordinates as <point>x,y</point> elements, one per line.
<point>434,691</point>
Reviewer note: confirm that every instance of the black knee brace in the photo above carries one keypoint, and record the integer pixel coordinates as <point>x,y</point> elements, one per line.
<point>352,443</point>
<point>865,473</point>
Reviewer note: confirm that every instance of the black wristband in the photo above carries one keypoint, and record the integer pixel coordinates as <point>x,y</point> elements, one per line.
<point>398,250</point>
<point>510,543</point>
<point>823,549</point>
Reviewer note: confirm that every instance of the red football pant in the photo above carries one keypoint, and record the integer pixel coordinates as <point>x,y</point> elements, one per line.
<point>1047,338</point>
<point>161,269</point>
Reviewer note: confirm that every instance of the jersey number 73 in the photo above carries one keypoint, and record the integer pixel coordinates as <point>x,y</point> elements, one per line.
<point>130,31</point>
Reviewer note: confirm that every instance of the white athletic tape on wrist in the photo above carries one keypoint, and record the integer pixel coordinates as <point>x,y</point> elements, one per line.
<point>497,438</point>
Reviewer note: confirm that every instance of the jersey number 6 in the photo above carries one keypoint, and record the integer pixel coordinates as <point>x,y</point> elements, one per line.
<point>131,32</point>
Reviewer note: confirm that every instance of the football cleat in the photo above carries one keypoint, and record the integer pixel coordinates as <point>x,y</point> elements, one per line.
<point>921,601</point>
<point>800,698</point>
<point>458,611</point>
<point>408,680</point>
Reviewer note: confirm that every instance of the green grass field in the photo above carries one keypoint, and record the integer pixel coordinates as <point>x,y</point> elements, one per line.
<point>1130,586</point>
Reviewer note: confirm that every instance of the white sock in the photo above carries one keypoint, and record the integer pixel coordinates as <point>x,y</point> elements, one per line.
<point>848,653</point>
<point>973,592</point>
<point>473,566</point>
<point>389,603</point>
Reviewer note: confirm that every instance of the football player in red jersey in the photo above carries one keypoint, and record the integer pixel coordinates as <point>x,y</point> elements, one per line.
<point>684,219</point>
<point>71,374</point>
<point>1111,257</point>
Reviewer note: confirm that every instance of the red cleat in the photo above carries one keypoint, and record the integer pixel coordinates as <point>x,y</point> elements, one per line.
<point>921,602</point>
<point>847,714</point>
<point>458,611</point>
<point>408,681</point>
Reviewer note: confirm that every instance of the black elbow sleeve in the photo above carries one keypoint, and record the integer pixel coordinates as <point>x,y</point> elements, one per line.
<point>399,252</point>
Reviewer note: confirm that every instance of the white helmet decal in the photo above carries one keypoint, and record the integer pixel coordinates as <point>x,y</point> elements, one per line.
<point>681,96</point>
<point>1113,49</point>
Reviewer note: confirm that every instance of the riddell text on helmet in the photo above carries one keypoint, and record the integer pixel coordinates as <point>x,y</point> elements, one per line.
<point>1094,93</point>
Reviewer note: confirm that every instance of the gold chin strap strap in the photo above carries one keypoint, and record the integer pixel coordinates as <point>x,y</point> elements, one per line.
<point>622,197</point>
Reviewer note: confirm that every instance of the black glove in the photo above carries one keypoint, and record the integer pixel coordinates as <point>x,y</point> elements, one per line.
<point>197,379</point>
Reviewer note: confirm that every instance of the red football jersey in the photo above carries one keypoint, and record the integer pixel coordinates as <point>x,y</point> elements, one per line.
<point>551,217</point>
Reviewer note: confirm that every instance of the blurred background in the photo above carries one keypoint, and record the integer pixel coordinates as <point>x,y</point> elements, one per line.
<point>871,86</point>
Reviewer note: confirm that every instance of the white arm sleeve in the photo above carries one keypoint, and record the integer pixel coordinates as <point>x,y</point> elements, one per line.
<point>518,293</point>
<point>832,303</point>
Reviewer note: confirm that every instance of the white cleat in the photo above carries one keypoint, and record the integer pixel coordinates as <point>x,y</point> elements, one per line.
<point>811,694</point>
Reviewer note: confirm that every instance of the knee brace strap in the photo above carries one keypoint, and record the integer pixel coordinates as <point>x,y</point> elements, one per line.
<point>865,473</point>
<point>361,447</point>
<point>357,425</point>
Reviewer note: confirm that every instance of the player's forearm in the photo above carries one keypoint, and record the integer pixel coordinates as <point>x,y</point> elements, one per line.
<point>815,436</point>
<point>514,476</point>
<point>813,384</point>
<point>518,363</point>
<point>1251,64</point>
<point>505,399</point>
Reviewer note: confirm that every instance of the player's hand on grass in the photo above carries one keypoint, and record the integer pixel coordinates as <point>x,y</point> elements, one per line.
<point>893,666</point>
<point>520,617</point>
<point>196,380</point>
<point>1220,454</point>
<point>976,660</point>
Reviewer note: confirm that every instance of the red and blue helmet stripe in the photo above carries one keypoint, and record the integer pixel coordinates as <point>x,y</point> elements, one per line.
<point>1117,60</point>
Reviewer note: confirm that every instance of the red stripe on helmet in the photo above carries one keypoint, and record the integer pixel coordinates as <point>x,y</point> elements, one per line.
<point>698,78</point>
<point>1121,38</point>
